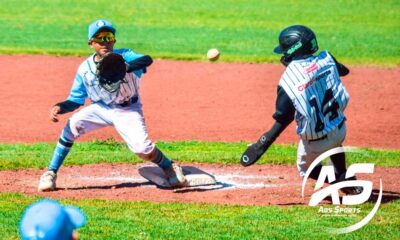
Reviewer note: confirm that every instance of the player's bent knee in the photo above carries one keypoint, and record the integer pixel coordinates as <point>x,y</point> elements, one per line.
<point>67,133</point>
<point>76,127</point>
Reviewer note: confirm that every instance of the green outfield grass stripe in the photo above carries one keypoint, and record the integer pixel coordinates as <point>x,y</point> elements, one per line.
<point>37,155</point>
<point>356,32</point>
<point>145,220</point>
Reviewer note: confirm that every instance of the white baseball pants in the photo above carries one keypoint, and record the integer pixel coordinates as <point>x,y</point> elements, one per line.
<point>308,151</point>
<point>128,121</point>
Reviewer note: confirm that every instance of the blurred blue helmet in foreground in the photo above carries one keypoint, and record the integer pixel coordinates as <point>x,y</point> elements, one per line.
<point>48,220</point>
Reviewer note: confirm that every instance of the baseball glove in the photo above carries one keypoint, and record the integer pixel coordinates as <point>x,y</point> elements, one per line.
<point>111,71</point>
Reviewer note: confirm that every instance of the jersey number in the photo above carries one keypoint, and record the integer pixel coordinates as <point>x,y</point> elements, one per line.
<point>329,105</point>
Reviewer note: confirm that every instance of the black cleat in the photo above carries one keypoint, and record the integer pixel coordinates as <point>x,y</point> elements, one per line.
<point>349,190</point>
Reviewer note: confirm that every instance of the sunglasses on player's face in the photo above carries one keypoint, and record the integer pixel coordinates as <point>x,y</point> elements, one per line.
<point>104,37</point>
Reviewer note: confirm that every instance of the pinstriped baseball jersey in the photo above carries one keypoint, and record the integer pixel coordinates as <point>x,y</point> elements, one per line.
<point>86,85</point>
<point>128,89</point>
<point>318,95</point>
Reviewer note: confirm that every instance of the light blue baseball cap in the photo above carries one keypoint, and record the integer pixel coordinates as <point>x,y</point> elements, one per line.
<point>48,220</point>
<point>98,25</point>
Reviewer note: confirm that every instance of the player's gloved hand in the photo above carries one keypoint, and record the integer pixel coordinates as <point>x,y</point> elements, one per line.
<point>54,113</point>
<point>252,154</point>
<point>256,150</point>
<point>110,72</point>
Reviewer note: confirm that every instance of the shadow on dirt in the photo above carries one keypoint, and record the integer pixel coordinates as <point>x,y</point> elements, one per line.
<point>115,186</point>
<point>387,196</point>
<point>217,186</point>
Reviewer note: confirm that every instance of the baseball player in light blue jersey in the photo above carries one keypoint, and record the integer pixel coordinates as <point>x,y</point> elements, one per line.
<point>120,107</point>
<point>310,92</point>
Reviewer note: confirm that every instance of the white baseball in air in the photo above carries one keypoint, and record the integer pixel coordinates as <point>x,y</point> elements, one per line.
<point>213,54</point>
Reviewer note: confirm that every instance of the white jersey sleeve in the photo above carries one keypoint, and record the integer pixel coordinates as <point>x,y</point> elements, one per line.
<point>318,95</point>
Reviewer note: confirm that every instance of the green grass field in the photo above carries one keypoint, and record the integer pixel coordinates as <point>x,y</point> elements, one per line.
<point>356,32</point>
<point>20,156</point>
<point>145,220</point>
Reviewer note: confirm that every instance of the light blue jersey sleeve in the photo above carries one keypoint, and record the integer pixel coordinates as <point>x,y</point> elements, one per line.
<point>78,92</point>
<point>129,56</point>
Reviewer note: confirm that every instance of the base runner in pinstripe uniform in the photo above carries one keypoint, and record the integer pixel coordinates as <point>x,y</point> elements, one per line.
<point>311,93</point>
<point>117,105</point>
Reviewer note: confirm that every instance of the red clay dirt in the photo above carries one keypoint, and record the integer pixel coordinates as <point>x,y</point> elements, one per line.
<point>255,185</point>
<point>186,101</point>
<point>194,100</point>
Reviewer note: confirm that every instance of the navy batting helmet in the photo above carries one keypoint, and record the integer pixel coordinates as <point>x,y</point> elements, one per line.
<point>296,41</point>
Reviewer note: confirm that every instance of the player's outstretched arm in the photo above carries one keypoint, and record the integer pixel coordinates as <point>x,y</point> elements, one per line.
<point>283,116</point>
<point>61,108</point>
<point>139,63</point>
<point>254,151</point>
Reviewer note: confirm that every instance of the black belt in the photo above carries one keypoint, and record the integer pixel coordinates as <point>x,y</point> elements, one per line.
<point>129,102</point>
<point>325,136</point>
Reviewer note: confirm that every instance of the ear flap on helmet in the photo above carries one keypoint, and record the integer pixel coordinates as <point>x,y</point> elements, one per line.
<point>285,60</point>
<point>296,41</point>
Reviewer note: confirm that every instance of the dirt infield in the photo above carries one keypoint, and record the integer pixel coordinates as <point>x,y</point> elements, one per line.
<point>194,100</point>
<point>256,185</point>
<point>186,101</point>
